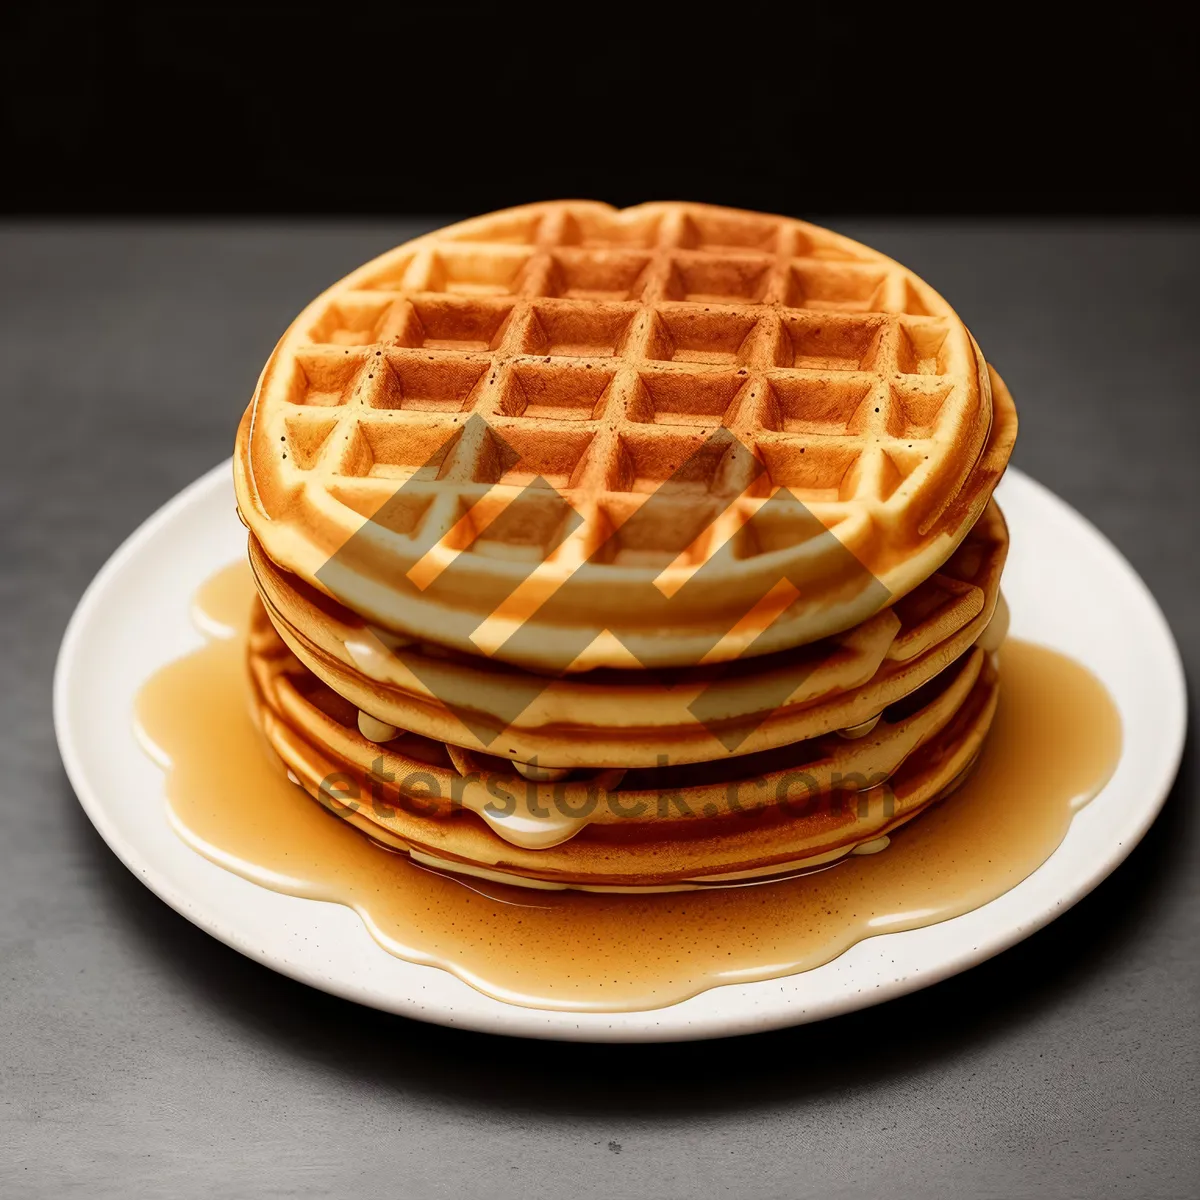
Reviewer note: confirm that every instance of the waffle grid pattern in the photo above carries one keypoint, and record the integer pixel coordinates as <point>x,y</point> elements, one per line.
<point>604,350</point>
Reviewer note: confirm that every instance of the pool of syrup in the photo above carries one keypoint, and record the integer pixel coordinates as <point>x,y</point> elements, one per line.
<point>1055,742</point>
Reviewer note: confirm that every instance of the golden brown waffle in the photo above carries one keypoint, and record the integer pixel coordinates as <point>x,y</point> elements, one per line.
<point>758,815</point>
<point>628,719</point>
<point>506,395</point>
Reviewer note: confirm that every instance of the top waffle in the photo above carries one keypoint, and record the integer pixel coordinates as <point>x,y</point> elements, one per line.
<point>704,431</point>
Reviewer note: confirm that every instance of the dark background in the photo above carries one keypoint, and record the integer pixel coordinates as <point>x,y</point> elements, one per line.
<point>141,1058</point>
<point>281,109</point>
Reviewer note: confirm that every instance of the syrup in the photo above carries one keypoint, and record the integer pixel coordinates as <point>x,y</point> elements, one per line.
<point>1054,743</point>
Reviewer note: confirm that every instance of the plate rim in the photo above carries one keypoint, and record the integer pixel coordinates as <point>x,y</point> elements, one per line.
<point>645,1025</point>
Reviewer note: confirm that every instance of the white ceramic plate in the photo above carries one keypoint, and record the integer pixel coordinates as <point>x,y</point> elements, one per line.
<point>1067,587</point>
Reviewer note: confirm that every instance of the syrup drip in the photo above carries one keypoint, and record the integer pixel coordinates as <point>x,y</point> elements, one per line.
<point>1055,742</point>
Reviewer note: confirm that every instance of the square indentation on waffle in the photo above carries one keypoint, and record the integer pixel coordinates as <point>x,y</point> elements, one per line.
<point>915,405</point>
<point>525,456</point>
<point>554,391</point>
<point>813,471</point>
<point>599,229</point>
<point>454,323</point>
<point>389,506</point>
<point>921,348</point>
<point>703,278</point>
<point>324,378</point>
<point>307,432</point>
<point>526,528</point>
<point>776,526</point>
<point>596,274</point>
<point>684,398</point>
<point>699,335</point>
<point>354,320</point>
<point>897,463</point>
<point>395,508</point>
<point>829,341</point>
<point>676,464</point>
<point>560,328</point>
<point>730,231</point>
<point>424,383</point>
<point>494,271</point>
<point>656,531</point>
<point>380,449</point>
<point>838,287</point>
<point>817,405</point>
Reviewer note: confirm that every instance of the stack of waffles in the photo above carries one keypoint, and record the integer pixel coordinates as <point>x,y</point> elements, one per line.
<point>635,549</point>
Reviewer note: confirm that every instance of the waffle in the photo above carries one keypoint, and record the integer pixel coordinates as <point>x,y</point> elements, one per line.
<point>629,719</point>
<point>568,437</point>
<point>755,816</point>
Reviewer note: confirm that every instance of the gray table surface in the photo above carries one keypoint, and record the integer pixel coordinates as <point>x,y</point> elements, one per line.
<point>139,1057</point>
